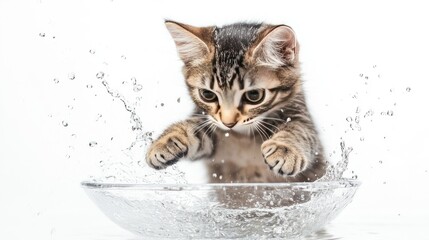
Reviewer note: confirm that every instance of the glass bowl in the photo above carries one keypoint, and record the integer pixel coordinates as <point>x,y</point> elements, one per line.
<point>242,210</point>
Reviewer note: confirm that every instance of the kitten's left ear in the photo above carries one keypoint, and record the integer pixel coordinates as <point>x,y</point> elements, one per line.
<point>192,42</point>
<point>275,47</point>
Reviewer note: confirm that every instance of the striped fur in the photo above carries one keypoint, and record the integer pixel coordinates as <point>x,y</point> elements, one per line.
<point>267,140</point>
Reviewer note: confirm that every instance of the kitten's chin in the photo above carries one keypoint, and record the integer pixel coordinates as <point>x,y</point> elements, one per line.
<point>242,129</point>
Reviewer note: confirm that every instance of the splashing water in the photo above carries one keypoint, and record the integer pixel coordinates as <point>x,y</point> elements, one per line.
<point>132,170</point>
<point>72,76</point>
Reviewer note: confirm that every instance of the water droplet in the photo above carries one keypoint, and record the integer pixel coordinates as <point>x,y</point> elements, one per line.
<point>111,139</point>
<point>98,117</point>
<point>214,175</point>
<point>92,51</point>
<point>178,100</point>
<point>226,134</point>
<point>162,104</point>
<point>137,88</point>
<point>391,90</point>
<point>64,123</point>
<point>357,119</point>
<point>357,110</point>
<point>288,119</point>
<point>72,76</point>
<point>124,57</point>
<point>220,177</point>
<point>70,107</point>
<point>203,113</point>
<point>111,178</point>
<point>408,89</point>
<point>134,80</point>
<point>349,119</point>
<point>368,113</point>
<point>42,34</point>
<point>366,77</point>
<point>68,156</point>
<point>93,144</point>
<point>316,153</point>
<point>73,135</point>
<point>381,162</point>
<point>100,75</point>
<point>361,75</point>
<point>282,110</point>
<point>362,139</point>
<point>384,182</point>
<point>89,86</point>
<point>389,113</point>
<point>56,80</point>
<point>374,66</point>
<point>222,161</point>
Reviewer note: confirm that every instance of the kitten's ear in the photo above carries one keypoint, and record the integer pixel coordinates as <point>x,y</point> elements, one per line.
<point>275,47</point>
<point>191,42</point>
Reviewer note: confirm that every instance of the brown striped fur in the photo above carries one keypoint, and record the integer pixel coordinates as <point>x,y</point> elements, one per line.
<point>269,140</point>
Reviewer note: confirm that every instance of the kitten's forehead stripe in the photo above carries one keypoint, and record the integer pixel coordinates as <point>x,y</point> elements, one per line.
<point>231,43</point>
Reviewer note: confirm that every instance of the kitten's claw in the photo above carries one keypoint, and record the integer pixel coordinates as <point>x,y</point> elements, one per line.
<point>283,159</point>
<point>166,151</point>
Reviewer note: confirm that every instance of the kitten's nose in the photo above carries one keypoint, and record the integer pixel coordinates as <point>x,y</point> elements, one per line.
<point>229,125</point>
<point>229,117</point>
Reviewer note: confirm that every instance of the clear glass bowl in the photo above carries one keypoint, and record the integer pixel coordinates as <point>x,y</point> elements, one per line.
<point>247,210</point>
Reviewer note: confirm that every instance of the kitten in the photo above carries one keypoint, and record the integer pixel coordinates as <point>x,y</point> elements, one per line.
<point>251,121</point>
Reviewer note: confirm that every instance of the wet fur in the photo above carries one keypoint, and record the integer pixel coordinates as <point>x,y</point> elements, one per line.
<point>274,141</point>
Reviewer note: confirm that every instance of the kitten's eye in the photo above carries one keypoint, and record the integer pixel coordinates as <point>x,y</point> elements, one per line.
<point>207,95</point>
<point>254,96</point>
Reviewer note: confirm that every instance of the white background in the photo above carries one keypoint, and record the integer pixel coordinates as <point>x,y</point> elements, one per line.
<point>42,162</point>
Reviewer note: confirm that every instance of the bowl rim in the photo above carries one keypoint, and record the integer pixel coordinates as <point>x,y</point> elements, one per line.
<point>318,185</point>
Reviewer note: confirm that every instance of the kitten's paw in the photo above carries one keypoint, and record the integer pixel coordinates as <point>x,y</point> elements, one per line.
<point>283,159</point>
<point>166,151</point>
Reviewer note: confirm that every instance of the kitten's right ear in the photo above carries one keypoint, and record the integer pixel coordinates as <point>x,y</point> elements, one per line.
<point>191,42</point>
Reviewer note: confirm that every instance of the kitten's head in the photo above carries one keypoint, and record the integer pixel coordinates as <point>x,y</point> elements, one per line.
<point>238,73</point>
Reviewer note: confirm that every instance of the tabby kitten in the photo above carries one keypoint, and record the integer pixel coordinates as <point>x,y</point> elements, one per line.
<point>251,120</point>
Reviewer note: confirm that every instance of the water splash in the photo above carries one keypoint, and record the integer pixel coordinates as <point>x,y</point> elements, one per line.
<point>64,123</point>
<point>100,75</point>
<point>335,172</point>
<point>72,76</point>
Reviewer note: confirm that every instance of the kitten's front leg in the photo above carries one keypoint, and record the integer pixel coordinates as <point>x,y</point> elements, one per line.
<point>178,141</point>
<point>290,150</point>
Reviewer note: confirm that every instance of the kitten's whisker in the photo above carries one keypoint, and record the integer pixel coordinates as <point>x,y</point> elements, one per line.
<point>260,130</point>
<point>202,124</point>
<point>263,129</point>
<point>276,119</point>
<point>274,126</point>
<point>213,128</point>
<point>205,133</point>
<point>257,130</point>
<point>253,132</point>
<point>262,125</point>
